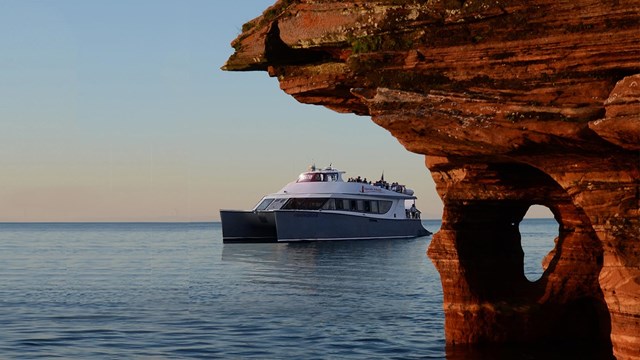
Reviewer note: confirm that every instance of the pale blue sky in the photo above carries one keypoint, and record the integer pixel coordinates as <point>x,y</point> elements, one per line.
<point>118,111</point>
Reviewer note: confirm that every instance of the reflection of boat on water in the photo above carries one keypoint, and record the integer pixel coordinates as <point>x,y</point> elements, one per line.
<point>313,254</point>
<point>320,205</point>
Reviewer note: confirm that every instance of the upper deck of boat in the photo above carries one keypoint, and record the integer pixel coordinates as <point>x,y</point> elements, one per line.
<point>329,181</point>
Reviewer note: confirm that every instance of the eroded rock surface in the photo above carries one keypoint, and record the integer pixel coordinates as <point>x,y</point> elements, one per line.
<point>513,103</point>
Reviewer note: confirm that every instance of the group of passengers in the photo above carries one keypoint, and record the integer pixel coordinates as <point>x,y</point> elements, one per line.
<point>380,183</point>
<point>359,180</point>
<point>393,186</point>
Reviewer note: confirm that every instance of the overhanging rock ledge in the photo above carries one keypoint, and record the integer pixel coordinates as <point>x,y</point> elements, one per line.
<point>513,103</point>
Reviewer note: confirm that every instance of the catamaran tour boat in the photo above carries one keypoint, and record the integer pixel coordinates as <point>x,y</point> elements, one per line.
<point>320,205</point>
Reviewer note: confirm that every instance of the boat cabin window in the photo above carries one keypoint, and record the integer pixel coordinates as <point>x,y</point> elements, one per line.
<point>384,207</point>
<point>329,205</point>
<point>342,204</point>
<point>331,177</point>
<point>318,177</point>
<point>366,206</point>
<point>374,207</point>
<point>308,177</point>
<point>263,205</point>
<point>355,205</point>
<point>304,204</point>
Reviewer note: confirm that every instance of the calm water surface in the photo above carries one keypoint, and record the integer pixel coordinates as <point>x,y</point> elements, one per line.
<point>78,291</point>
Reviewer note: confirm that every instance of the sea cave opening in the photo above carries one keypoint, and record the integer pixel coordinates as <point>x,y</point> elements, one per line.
<point>539,233</point>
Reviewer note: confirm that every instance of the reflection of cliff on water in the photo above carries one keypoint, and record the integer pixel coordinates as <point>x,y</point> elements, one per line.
<point>552,351</point>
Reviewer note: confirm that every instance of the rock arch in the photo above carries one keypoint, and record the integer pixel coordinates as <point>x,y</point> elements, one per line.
<point>487,298</point>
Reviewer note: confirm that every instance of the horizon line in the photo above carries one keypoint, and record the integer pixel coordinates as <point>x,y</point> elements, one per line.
<point>174,221</point>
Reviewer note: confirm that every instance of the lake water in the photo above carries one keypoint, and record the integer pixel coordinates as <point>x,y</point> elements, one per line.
<point>162,291</point>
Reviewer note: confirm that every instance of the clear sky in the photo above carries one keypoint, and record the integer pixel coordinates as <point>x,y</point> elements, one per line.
<point>117,110</point>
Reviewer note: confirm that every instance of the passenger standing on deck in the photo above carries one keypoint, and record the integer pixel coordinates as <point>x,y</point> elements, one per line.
<point>414,211</point>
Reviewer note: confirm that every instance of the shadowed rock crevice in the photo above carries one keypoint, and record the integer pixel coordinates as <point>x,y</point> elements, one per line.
<point>513,103</point>
<point>278,53</point>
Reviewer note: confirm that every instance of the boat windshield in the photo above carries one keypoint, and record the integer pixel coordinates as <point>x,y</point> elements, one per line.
<point>271,204</point>
<point>317,177</point>
<point>264,204</point>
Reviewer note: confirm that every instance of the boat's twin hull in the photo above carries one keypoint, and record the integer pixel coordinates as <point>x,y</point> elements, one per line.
<point>248,226</point>
<point>282,225</point>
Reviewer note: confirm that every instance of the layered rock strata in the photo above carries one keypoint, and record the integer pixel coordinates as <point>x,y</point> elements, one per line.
<point>513,103</point>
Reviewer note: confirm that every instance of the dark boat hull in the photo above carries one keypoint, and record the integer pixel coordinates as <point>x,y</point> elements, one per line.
<point>297,225</point>
<point>248,226</point>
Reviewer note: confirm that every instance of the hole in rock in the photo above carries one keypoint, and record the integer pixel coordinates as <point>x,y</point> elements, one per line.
<point>538,231</point>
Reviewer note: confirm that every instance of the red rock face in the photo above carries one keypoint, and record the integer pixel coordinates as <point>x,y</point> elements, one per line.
<point>513,103</point>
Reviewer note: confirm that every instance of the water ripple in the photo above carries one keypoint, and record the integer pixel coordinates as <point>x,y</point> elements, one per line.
<point>78,291</point>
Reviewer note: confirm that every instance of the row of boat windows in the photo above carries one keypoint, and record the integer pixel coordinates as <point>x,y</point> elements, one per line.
<point>366,206</point>
<point>318,177</point>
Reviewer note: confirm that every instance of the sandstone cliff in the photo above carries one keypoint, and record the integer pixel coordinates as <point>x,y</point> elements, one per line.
<point>513,103</point>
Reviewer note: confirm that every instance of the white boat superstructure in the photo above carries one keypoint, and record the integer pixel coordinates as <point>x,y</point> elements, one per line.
<point>320,205</point>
